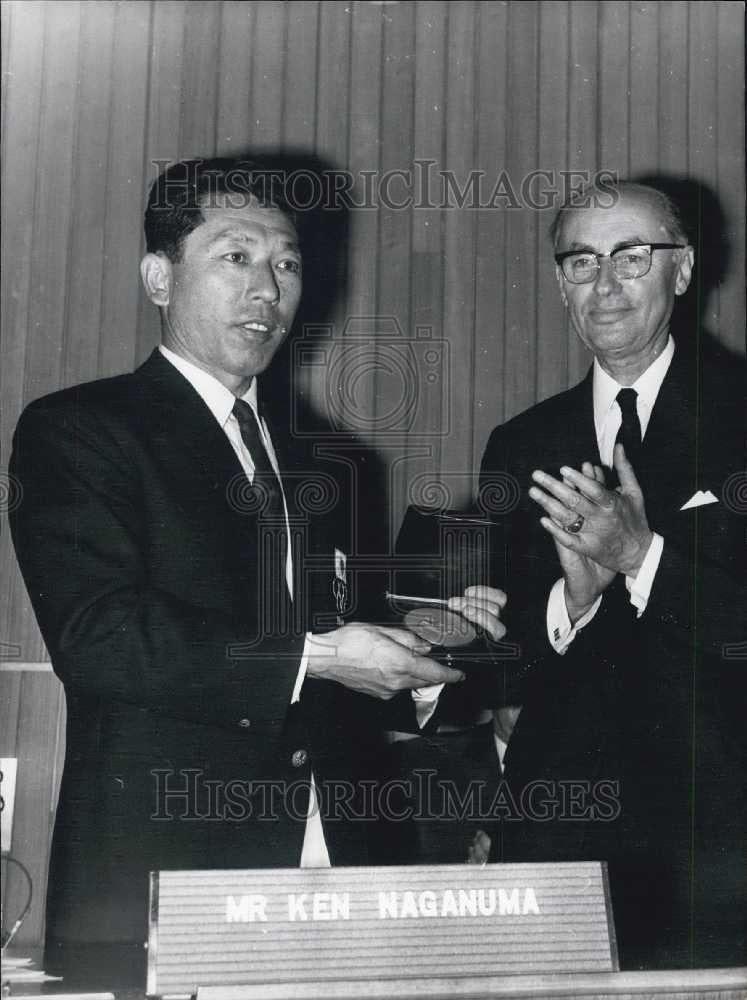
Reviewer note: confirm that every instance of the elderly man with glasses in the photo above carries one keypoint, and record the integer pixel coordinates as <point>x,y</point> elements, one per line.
<point>625,566</point>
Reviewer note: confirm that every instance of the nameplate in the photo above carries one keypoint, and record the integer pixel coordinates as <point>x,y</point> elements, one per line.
<point>348,925</point>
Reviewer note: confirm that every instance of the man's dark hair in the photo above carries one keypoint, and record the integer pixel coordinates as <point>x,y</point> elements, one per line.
<point>607,195</point>
<point>182,190</point>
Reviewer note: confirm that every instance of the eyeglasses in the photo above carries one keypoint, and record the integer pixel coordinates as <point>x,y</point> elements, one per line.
<point>582,266</point>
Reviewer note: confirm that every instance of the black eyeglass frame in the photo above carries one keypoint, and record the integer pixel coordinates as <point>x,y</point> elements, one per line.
<point>560,257</point>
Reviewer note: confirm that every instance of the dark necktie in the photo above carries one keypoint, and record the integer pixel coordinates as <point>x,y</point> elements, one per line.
<point>629,435</point>
<point>267,502</point>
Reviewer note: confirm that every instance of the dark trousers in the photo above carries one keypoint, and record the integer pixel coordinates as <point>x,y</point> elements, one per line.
<point>441,788</point>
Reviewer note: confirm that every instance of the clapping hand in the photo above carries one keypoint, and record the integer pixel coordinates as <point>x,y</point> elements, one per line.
<point>598,532</point>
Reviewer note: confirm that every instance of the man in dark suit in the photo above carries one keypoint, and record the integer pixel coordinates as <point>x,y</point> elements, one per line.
<point>159,541</point>
<point>628,593</point>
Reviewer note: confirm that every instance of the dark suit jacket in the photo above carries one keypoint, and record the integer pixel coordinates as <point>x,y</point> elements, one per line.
<point>140,553</point>
<point>654,705</point>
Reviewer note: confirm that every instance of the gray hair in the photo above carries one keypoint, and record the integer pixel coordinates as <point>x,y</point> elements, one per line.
<point>600,195</point>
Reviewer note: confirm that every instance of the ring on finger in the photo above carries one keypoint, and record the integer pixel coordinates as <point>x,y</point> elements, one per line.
<point>575,526</point>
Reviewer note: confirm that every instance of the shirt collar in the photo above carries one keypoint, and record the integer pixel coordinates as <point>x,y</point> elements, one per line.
<point>216,396</point>
<point>646,385</point>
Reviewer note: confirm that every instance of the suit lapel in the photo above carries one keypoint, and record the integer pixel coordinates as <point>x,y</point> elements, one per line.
<point>668,465</point>
<point>187,421</point>
<point>177,414</point>
<point>575,436</point>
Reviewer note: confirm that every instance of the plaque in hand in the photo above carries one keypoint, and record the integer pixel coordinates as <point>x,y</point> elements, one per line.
<point>440,627</point>
<point>454,640</point>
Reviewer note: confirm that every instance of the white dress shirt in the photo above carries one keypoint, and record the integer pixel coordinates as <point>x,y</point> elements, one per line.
<point>607,421</point>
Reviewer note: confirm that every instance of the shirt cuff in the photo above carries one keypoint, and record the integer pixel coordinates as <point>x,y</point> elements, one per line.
<point>314,853</point>
<point>639,587</point>
<point>301,675</point>
<point>560,632</point>
<point>426,700</point>
<point>500,748</point>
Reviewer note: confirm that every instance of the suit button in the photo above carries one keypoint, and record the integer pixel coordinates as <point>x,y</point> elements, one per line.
<point>245,723</point>
<point>299,758</point>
